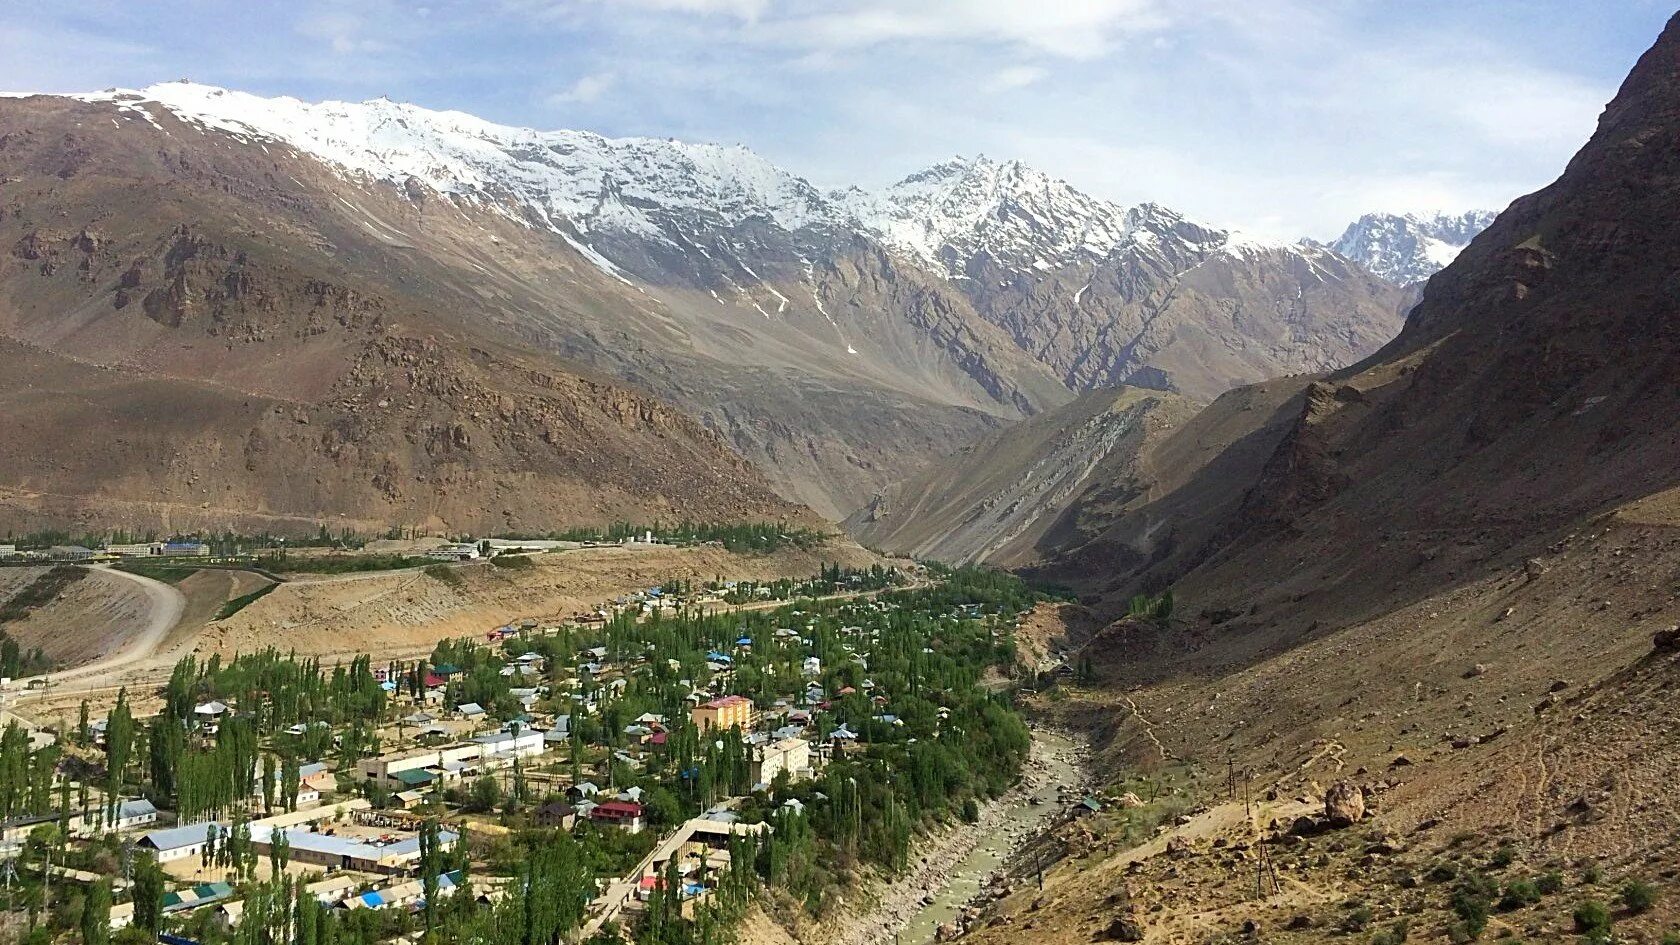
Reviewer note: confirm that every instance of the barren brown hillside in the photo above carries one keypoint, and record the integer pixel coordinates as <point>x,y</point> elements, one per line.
<point>188,341</point>
<point>1444,580</point>
<point>994,501</point>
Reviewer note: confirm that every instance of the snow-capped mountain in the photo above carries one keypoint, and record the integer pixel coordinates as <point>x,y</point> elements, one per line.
<point>670,192</point>
<point>643,186</point>
<point>818,331</point>
<point>1406,248</point>
<point>1018,217</point>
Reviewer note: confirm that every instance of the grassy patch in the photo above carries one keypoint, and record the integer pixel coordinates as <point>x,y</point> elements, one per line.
<point>513,562</point>
<point>167,573</point>
<point>447,575</point>
<point>243,601</point>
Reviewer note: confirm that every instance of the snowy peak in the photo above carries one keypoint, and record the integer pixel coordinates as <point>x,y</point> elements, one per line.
<point>1406,248</point>
<point>636,185</point>
<point>675,194</point>
<point>964,208</point>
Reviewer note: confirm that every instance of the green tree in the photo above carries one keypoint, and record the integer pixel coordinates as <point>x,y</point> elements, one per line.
<point>119,745</point>
<point>96,914</point>
<point>148,895</point>
<point>431,865</point>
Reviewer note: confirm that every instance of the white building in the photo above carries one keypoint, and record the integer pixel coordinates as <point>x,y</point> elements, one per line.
<point>137,812</point>
<point>144,549</point>
<point>792,755</point>
<point>178,843</point>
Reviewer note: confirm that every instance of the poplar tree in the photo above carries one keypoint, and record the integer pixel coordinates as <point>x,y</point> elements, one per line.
<point>96,914</point>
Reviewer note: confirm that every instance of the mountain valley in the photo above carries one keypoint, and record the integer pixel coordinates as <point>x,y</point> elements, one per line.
<point>835,341</point>
<point>972,559</point>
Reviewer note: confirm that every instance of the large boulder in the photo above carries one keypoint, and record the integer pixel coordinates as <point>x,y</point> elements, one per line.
<point>1344,804</point>
<point>1667,639</point>
<point>1126,927</point>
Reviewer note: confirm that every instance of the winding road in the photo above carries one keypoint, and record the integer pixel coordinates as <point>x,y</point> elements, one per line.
<point>166,605</point>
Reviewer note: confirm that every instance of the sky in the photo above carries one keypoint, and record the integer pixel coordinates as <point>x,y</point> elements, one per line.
<point>1283,118</point>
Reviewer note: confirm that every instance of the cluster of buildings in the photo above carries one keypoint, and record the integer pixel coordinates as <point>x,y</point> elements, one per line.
<point>371,856</point>
<point>420,768</point>
<point>148,549</point>
<point>345,836</point>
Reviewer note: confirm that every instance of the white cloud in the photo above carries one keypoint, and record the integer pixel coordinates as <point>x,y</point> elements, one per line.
<point>1077,29</point>
<point>584,91</point>
<point>1016,77</point>
<point>342,32</point>
<point>745,10</point>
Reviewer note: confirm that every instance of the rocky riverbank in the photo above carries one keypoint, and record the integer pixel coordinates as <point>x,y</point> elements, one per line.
<point>955,866</point>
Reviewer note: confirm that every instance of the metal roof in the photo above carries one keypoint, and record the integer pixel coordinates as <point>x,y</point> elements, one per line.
<point>174,838</point>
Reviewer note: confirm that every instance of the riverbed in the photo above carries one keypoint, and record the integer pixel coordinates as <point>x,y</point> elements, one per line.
<point>951,868</point>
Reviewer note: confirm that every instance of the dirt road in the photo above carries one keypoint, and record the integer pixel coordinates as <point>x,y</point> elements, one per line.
<point>164,607</point>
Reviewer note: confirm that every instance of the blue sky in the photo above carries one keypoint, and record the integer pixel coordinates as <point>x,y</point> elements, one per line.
<point>1283,117</point>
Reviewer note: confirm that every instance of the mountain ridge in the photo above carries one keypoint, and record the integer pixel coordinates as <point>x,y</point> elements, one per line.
<point>739,292</point>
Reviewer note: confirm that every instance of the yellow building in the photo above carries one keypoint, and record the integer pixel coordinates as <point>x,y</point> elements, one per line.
<point>727,712</point>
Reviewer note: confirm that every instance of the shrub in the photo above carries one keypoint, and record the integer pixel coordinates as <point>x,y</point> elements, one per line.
<point>1471,902</point>
<point>1638,896</point>
<point>1591,916</point>
<point>1503,857</point>
<point>1394,934</point>
<point>1591,874</point>
<point>243,601</point>
<point>513,562</point>
<point>1442,872</point>
<point>1357,919</point>
<point>1518,894</point>
<point>1470,907</point>
<point>446,575</point>
<point>1550,882</point>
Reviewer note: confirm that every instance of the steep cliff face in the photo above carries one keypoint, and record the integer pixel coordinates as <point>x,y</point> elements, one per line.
<point>1442,580</point>
<point>1532,386</point>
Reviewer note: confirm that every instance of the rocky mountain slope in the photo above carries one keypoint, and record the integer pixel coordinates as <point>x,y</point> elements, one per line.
<point>993,501</point>
<point>199,334</point>
<point>1108,295</point>
<point>1530,387</point>
<point>1439,582</point>
<point>837,341</point>
<point>1407,248</point>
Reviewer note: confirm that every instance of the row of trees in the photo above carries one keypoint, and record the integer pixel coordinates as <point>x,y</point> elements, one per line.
<point>747,536</point>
